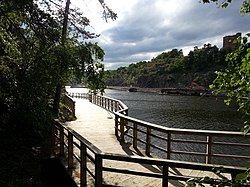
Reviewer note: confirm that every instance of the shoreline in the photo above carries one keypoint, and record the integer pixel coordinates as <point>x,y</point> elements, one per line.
<point>170,91</point>
<point>139,89</point>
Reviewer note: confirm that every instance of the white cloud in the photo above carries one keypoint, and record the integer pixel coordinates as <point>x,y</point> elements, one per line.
<point>145,27</point>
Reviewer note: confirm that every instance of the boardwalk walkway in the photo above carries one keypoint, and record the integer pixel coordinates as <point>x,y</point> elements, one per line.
<point>97,125</point>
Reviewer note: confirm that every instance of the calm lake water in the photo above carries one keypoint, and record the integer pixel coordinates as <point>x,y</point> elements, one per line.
<point>189,112</point>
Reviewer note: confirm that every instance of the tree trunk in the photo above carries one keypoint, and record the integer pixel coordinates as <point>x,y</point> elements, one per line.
<point>60,84</point>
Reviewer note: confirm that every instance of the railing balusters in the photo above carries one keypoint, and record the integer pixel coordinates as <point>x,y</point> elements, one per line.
<point>53,130</point>
<point>209,150</point>
<point>98,171</point>
<point>135,136</point>
<point>116,125</point>
<point>70,150</point>
<point>165,175</point>
<point>148,141</point>
<point>112,105</point>
<point>169,146</point>
<point>115,106</point>
<point>122,125</point>
<point>83,172</point>
<point>61,141</point>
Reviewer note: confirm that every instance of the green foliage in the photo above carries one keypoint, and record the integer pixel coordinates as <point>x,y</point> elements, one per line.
<point>242,179</point>
<point>235,80</point>
<point>33,61</point>
<point>171,69</point>
<point>245,8</point>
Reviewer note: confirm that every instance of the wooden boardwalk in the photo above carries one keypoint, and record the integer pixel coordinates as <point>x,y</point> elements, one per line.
<point>97,126</point>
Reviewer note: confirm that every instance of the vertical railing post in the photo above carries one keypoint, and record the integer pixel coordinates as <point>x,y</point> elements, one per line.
<point>108,104</point>
<point>70,150</point>
<point>74,109</point>
<point>135,135</point>
<point>61,140</point>
<point>98,170</point>
<point>209,150</point>
<point>169,146</point>
<point>53,131</point>
<point>122,124</point>
<point>112,105</point>
<point>165,175</point>
<point>126,112</point>
<point>116,125</point>
<point>83,171</point>
<point>90,98</point>
<point>116,106</point>
<point>148,141</point>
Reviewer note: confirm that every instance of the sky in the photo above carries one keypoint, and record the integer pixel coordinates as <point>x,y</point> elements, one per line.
<point>146,28</point>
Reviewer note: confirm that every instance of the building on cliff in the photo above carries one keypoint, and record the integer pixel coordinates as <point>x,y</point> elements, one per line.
<point>231,41</point>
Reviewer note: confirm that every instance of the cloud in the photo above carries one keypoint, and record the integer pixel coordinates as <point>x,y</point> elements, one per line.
<point>151,27</point>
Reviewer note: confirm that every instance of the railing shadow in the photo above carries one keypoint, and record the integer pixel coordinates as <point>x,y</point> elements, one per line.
<point>129,150</point>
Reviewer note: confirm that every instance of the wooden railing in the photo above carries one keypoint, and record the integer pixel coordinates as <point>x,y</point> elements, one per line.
<point>80,150</point>
<point>78,95</point>
<point>205,146</point>
<point>112,105</point>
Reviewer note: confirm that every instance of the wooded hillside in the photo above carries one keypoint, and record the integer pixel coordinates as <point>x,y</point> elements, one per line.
<point>172,69</point>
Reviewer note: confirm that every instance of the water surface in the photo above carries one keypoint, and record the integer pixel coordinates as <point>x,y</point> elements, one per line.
<point>190,112</point>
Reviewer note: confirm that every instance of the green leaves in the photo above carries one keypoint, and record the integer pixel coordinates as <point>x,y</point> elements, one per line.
<point>235,79</point>
<point>241,179</point>
<point>224,5</point>
<point>32,61</point>
<point>245,8</point>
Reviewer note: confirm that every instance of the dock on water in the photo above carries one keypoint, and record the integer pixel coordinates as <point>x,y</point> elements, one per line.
<point>97,156</point>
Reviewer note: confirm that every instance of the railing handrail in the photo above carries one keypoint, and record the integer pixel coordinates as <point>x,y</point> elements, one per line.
<point>184,131</point>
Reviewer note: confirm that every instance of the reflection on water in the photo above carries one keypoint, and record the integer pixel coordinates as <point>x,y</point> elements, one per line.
<point>188,112</point>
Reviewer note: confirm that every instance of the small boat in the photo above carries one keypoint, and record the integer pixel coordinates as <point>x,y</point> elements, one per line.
<point>132,89</point>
